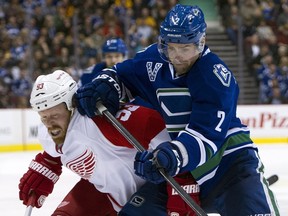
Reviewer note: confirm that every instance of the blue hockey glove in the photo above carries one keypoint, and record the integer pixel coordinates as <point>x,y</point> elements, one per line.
<point>166,156</point>
<point>105,89</point>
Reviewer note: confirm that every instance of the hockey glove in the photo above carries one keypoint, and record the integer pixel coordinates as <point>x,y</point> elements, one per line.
<point>166,156</point>
<point>39,180</point>
<point>105,89</point>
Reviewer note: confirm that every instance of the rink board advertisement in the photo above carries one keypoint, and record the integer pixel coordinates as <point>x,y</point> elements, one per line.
<point>18,130</point>
<point>268,124</point>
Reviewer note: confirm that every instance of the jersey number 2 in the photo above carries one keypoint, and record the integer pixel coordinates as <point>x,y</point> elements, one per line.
<point>221,115</point>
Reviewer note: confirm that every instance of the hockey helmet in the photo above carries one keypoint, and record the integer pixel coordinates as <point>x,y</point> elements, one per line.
<point>53,89</point>
<point>183,24</point>
<point>114,45</point>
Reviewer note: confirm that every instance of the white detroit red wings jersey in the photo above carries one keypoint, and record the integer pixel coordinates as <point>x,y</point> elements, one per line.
<point>96,151</point>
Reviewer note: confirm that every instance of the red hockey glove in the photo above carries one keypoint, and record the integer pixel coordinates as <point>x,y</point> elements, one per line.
<point>43,173</point>
<point>176,205</point>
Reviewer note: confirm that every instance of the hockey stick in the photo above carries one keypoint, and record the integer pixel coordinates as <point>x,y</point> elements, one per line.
<point>28,210</point>
<point>30,205</point>
<point>103,111</point>
<point>272,179</point>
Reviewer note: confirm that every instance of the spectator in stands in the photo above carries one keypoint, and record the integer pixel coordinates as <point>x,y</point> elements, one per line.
<point>21,88</point>
<point>5,85</point>
<point>284,71</point>
<point>284,65</point>
<point>49,25</point>
<point>4,94</point>
<point>251,14</point>
<point>282,24</point>
<point>282,51</point>
<point>12,26</point>
<point>270,79</point>
<point>269,11</point>
<point>146,27</point>
<point>265,61</point>
<point>114,50</point>
<point>18,49</point>
<point>112,27</point>
<point>265,32</point>
<point>231,24</point>
<point>63,59</point>
<point>89,49</point>
<point>137,7</point>
<point>254,52</point>
<point>276,96</point>
<point>230,16</point>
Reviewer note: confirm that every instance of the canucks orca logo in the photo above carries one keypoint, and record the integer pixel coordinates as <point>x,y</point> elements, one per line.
<point>176,105</point>
<point>223,74</point>
<point>137,201</point>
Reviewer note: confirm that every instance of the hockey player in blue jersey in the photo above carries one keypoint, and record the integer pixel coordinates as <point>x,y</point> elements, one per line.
<point>114,50</point>
<point>196,94</point>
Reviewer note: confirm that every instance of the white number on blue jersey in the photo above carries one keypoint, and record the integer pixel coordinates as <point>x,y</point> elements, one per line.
<point>221,115</point>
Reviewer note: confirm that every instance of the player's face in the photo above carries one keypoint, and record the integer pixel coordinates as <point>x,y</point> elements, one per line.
<point>113,58</point>
<point>182,56</point>
<point>56,120</point>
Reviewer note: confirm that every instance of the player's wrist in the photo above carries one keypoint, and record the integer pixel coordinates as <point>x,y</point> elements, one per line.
<point>183,151</point>
<point>169,157</point>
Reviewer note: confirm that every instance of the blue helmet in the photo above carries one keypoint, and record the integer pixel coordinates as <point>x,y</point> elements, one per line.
<point>183,24</point>
<point>114,45</point>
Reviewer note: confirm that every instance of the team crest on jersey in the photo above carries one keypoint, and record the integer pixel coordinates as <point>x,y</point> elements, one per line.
<point>152,72</point>
<point>137,201</point>
<point>223,74</point>
<point>83,165</point>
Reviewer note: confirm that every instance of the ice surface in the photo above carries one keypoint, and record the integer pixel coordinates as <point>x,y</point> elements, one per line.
<point>14,165</point>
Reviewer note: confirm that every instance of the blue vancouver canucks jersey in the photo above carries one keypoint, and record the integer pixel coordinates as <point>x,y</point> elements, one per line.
<point>91,72</point>
<point>199,108</point>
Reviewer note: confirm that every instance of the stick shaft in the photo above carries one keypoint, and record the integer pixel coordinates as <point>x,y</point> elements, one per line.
<point>198,210</point>
<point>28,210</point>
<point>30,205</point>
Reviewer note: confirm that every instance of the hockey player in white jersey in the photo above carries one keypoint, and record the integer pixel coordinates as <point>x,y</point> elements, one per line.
<point>196,94</point>
<point>91,148</point>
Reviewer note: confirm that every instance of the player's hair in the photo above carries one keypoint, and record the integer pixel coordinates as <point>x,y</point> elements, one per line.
<point>183,24</point>
<point>53,89</point>
<point>114,45</point>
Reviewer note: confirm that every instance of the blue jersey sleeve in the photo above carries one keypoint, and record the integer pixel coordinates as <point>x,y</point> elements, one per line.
<point>91,72</point>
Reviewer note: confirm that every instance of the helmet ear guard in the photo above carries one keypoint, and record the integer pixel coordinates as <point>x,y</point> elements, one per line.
<point>52,89</point>
<point>201,44</point>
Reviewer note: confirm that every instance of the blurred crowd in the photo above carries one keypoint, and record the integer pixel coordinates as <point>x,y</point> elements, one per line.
<point>265,36</point>
<point>37,36</point>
